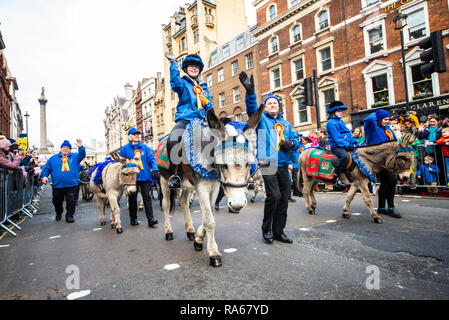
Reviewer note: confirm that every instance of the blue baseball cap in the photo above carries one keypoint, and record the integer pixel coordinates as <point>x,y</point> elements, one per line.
<point>133,131</point>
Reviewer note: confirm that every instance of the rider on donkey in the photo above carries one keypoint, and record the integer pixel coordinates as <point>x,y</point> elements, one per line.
<point>340,139</point>
<point>377,131</point>
<point>194,101</point>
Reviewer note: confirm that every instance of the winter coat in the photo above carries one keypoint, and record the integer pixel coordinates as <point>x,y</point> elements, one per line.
<point>147,157</point>
<point>267,150</point>
<point>338,134</point>
<point>426,175</point>
<point>375,134</point>
<point>187,108</point>
<point>442,141</point>
<point>9,161</point>
<point>62,176</point>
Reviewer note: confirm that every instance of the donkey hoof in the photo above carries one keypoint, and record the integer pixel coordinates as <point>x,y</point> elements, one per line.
<point>312,212</point>
<point>103,223</point>
<point>112,226</point>
<point>252,200</point>
<point>346,215</point>
<point>169,236</point>
<point>191,236</point>
<point>378,220</point>
<point>119,230</point>
<point>215,261</point>
<point>197,246</point>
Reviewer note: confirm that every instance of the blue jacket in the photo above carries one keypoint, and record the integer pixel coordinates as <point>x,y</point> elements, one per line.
<point>428,176</point>
<point>187,108</point>
<point>67,178</point>
<point>338,134</point>
<point>375,134</point>
<point>267,149</point>
<point>148,159</point>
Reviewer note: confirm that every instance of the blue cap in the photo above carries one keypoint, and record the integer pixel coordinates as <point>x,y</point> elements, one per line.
<point>133,131</point>
<point>269,96</point>
<point>335,106</point>
<point>66,143</point>
<point>382,114</point>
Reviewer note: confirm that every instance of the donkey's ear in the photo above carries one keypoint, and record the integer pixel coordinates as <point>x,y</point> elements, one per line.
<point>214,123</point>
<point>255,118</point>
<point>406,140</point>
<point>114,156</point>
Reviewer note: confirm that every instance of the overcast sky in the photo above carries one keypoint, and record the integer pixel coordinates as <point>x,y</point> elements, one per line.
<point>83,52</point>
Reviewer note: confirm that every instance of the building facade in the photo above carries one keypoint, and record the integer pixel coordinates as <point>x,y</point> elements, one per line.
<point>5,92</point>
<point>159,110</point>
<point>199,27</point>
<point>226,62</point>
<point>114,124</point>
<point>148,94</point>
<point>355,50</point>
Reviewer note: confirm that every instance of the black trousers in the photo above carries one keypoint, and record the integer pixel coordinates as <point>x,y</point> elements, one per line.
<point>295,181</point>
<point>144,187</point>
<point>277,187</point>
<point>343,159</point>
<point>220,195</point>
<point>387,189</point>
<point>67,194</point>
<point>175,138</point>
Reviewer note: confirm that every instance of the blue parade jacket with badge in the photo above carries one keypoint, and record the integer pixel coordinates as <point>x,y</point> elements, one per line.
<point>187,108</point>
<point>148,159</point>
<point>267,122</point>
<point>338,134</point>
<point>64,176</point>
<point>375,134</point>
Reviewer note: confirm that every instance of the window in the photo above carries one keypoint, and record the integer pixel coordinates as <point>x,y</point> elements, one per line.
<point>239,117</point>
<point>220,75</point>
<point>293,2</point>
<point>209,80</point>
<point>214,57</point>
<point>370,2</point>
<point>276,78</point>
<point>329,96</point>
<point>302,110</point>
<point>422,86</point>
<point>298,69</point>
<point>221,98</point>
<point>274,45</point>
<point>249,61</point>
<point>296,33</point>
<point>235,68</point>
<point>323,20</point>
<point>236,94</point>
<point>326,60</point>
<point>240,43</point>
<point>271,12</point>
<point>416,22</point>
<point>226,51</point>
<point>196,36</point>
<point>183,44</point>
<point>376,41</point>
<point>380,90</point>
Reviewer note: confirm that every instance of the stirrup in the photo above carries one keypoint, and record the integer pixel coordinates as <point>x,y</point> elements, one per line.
<point>174,182</point>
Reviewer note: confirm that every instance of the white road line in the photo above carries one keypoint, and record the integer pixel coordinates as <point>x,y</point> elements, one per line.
<point>196,211</point>
<point>405,200</point>
<point>331,221</point>
<point>356,214</point>
<point>171,266</point>
<point>4,246</point>
<point>304,229</point>
<point>230,250</point>
<point>96,229</point>
<point>77,295</point>
<point>54,237</point>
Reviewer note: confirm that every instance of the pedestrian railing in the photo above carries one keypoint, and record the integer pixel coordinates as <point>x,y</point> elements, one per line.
<point>19,196</point>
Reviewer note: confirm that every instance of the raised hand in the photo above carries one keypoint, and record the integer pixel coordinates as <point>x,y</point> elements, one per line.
<point>79,142</point>
<point>170,57</point>
<point>248,83</point>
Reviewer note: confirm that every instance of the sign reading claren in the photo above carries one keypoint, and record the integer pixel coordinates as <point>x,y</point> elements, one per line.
<point>396,5</point>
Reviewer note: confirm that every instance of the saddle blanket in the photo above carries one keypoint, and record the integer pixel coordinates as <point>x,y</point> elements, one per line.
<point>319,164</point>
<point>100,166</point>
<point>162,159</point>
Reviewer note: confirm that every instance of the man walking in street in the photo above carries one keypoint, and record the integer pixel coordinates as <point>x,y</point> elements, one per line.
<point>64,170</point>
<point>148,173</point>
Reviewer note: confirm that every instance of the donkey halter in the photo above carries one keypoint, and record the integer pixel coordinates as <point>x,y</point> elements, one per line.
<point>129,165</point>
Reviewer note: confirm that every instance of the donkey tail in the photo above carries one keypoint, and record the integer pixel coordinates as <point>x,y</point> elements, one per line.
<point>173,194</point>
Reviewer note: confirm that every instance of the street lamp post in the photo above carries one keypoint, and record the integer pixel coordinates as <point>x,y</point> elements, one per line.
<point>28,138</point>
<point>400,21</point>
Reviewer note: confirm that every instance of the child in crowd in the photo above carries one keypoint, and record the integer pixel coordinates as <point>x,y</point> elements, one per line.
<point>323,142</point>
<point>444,140</point>
<point>306,142</point>
<point>396,127</point>
<point>359,135</point>
<point>428,171</point>
<point>410,126</point>
<point>313,138</point>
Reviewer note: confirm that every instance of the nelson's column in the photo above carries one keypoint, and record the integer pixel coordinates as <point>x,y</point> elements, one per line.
<point>43,103</point>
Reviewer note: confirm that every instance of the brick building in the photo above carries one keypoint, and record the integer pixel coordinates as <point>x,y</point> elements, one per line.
<point>356,51</point>
<point>5,95</point>
<point>226,62</point>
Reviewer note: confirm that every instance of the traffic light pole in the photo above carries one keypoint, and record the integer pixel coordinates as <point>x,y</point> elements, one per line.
<point>404,68</point>
<point>317,104</point>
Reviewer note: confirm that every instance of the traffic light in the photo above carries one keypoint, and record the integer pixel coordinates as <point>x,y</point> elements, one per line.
<point>307,84</point>
<point>434,57</point>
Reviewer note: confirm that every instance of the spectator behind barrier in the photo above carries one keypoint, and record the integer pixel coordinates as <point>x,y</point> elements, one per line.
<point>8,160</point>
<point>444,142</point>
<point>432,133</point>
<point>359,135</point>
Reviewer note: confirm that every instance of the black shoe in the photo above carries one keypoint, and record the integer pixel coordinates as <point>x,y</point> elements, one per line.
<point>297,194</point>
<point>392,212</point>
<point>58,217</point>
<point>291,199</point>
<point>174,182</point>
<point>338,183</point>
<point>268,237</point>
<point>152,222</point>
<point>69,220</point>
<point>217,207</point>
<point>283,238</point>
<point>134,222</point>
<point>381,211</point>
<point>413,186</point>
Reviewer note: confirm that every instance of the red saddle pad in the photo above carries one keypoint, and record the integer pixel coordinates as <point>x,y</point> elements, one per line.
<point>162,159</point>
<point>319,164</point>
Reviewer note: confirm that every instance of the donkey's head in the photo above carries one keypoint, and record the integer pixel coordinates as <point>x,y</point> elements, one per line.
<point>128,171</point>
<point>234,156</point>
<point>405,155</point>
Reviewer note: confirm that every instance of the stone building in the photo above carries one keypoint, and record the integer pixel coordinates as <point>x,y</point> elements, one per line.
<point>356,51</point>
<point>114,124</point>
<point>148,94</point>
<point>159,108</point>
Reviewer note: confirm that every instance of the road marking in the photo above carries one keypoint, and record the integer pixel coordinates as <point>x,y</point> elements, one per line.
<point>331,221</point>
<point>31,264</point>
<point>171,266</point>
<point>196,211</point>
<point>400,286</point>
<point>96,229</point>
<point>4,246</point>
<point>405,200</point>
<point>54,237</point>
<point>77,295</point>
<point>230,250</point>
<point>356,214</point>
<point>304,229</point>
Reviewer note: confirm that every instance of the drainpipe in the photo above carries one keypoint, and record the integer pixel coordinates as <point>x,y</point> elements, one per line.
<point>348,72</point>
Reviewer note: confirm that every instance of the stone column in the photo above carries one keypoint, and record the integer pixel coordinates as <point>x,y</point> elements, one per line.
<point>43,103</point>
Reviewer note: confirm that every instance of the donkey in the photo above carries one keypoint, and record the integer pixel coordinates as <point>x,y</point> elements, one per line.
<point>232,163</point>
<point>117,177</point>
<point>394,156</point>
<point>84,180</point>
<point>258,185</point>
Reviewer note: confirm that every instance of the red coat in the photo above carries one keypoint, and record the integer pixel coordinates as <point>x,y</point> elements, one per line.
<point>442,141</point>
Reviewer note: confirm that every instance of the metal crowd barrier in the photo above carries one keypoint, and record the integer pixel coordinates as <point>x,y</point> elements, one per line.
<point>19,195</point>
